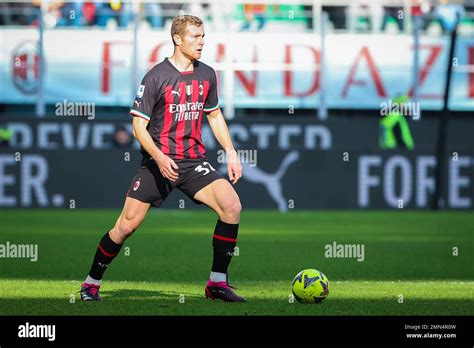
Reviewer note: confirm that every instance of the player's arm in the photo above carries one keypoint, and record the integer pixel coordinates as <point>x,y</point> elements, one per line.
<point>165,163</point>
<point>221,132</point>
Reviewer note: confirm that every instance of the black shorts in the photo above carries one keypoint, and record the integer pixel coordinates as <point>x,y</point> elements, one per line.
<point>150,186</point>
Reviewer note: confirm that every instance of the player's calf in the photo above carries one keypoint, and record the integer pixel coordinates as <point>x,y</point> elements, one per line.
<point>105,253</point>
<point>224,242</point>
<point>132,215</point>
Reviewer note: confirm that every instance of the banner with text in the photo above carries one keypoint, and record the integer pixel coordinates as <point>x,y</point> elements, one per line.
<point>295,164</point>
<point>362,70</point>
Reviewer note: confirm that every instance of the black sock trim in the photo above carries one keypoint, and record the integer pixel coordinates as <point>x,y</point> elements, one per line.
<point>104,255</point>
<point>108,247</point>
<point>224,229</point>
<point>223,243</point>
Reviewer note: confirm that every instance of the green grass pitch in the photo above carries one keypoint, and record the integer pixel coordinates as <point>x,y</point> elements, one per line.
<point>409,266</point>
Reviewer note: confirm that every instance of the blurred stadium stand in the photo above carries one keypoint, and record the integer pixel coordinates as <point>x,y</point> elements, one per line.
<point>359,15</point>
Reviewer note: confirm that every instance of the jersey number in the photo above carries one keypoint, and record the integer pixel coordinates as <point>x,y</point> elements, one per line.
<point>200,168</point>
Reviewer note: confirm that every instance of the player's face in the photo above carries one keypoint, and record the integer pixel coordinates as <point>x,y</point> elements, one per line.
<point>193,41</point>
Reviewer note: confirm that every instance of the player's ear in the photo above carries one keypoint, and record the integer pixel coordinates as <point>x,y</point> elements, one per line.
<point>177,39</point>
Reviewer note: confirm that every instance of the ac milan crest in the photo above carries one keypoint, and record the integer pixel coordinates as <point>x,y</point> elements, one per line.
<point>136,185</point>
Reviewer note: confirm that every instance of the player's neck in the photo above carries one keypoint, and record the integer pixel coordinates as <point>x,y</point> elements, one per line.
<point>181,62</point>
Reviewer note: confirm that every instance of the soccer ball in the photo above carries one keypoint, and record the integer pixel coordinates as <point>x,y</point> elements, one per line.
<point>310,286</point>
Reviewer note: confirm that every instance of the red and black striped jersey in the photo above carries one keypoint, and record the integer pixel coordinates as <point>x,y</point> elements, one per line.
<point>173,102</point>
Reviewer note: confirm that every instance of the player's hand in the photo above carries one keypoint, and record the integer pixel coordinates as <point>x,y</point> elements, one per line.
<point>234,168</point>
<point>167,167</point>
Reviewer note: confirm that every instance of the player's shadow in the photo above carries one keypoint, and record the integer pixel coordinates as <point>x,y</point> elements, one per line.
<point>140,293</point>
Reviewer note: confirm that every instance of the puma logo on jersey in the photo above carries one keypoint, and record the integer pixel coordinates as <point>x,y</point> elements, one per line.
<point>177,93</point>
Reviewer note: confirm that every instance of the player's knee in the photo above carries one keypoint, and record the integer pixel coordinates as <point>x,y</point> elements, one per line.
<point>125,228</point>
<point>232,210</point>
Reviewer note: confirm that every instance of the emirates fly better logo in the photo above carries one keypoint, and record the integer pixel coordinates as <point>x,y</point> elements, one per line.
<point>187,111</point>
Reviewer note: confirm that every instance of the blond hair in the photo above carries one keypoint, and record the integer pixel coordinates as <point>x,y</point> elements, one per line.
<point>181,22</point>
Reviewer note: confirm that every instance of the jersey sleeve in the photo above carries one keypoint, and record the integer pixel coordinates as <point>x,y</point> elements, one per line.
<point>145,100</point>
<point>212,100</point>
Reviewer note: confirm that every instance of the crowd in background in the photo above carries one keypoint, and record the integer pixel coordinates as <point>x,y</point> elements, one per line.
<point>80,13</point>
<point>355,16</point>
